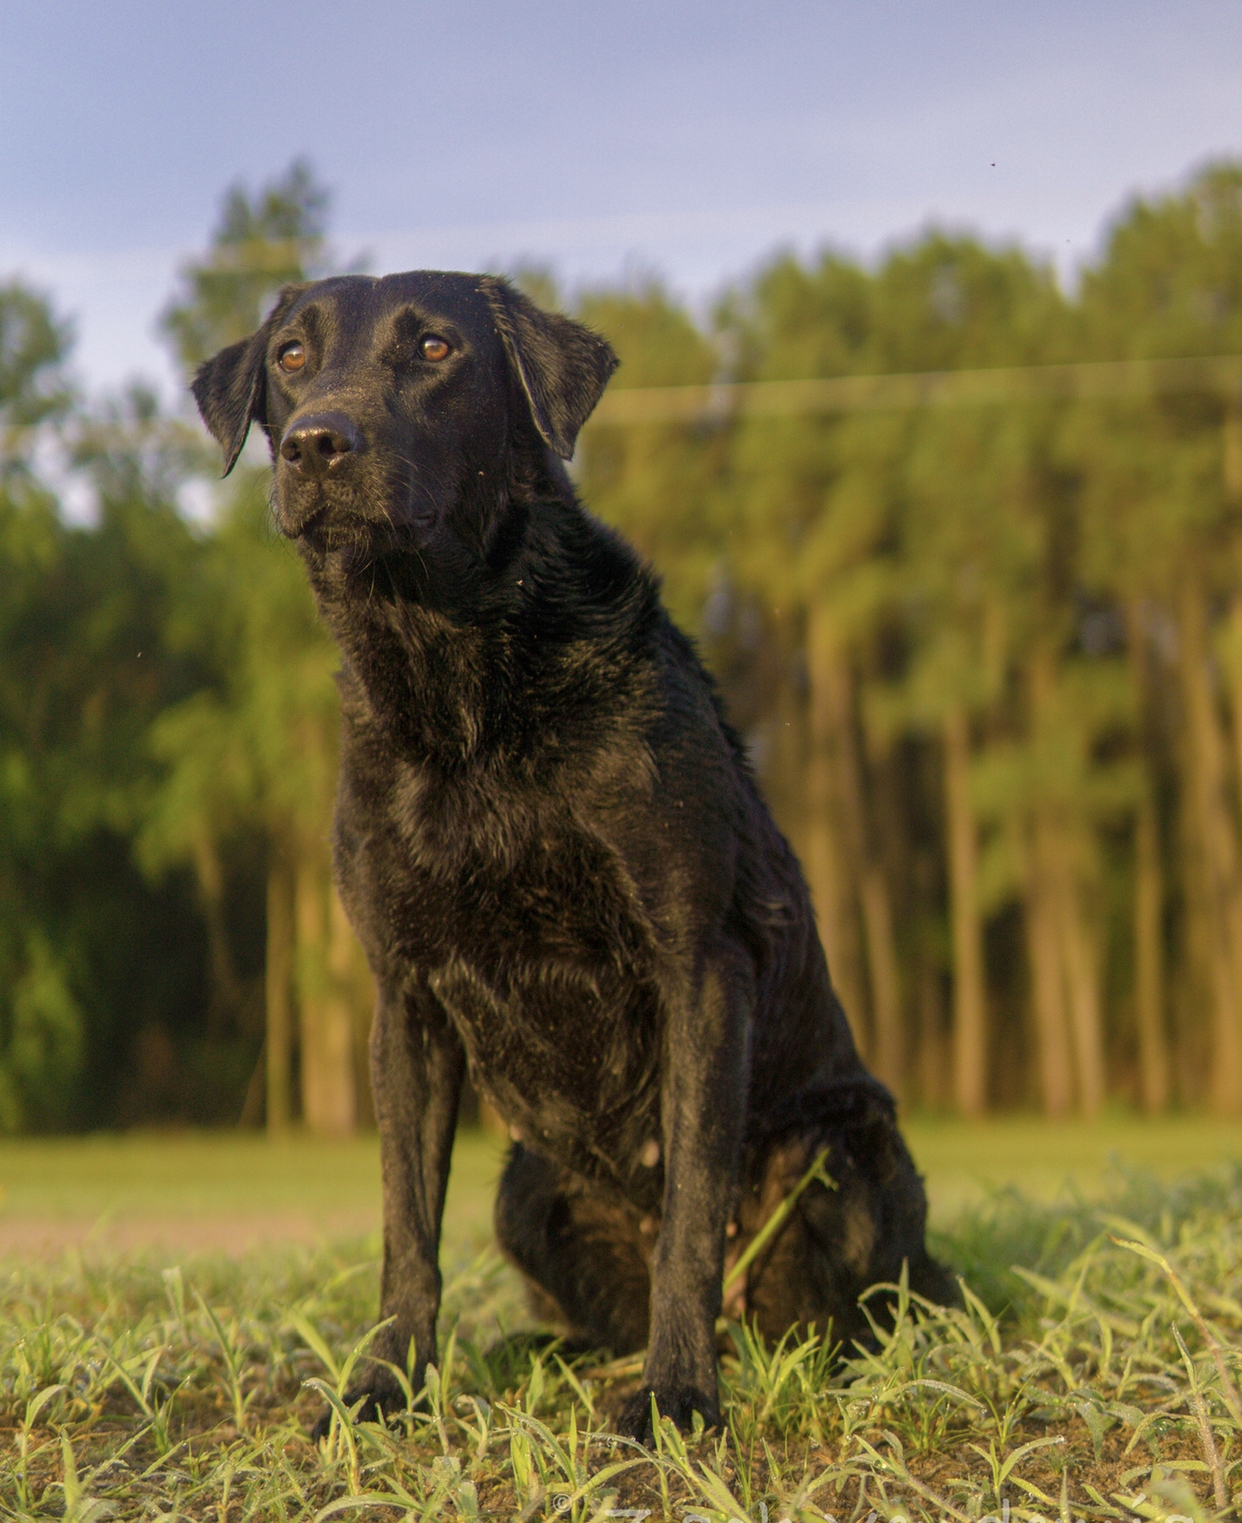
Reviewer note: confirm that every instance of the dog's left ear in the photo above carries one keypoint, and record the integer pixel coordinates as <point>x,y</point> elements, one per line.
<point>563,367</point>
<point>231,387</point>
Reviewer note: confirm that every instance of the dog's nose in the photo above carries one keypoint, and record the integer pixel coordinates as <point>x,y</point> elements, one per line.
<point>316,443</point>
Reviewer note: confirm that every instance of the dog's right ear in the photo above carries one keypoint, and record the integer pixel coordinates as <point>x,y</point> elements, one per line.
<point>231,387</point>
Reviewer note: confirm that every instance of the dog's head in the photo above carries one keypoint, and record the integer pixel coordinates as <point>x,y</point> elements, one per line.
<point>393,406</point>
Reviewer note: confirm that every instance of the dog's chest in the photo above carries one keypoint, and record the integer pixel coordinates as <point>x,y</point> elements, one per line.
<point>570,1062</point>
<point>532,934</point>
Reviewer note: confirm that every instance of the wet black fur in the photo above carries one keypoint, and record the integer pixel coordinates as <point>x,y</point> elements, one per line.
<point>552,848</point>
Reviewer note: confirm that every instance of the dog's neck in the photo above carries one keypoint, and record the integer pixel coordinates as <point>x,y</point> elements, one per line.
<point>464,664</point>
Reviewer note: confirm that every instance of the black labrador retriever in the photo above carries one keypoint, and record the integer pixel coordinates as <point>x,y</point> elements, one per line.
<point>551,846</point>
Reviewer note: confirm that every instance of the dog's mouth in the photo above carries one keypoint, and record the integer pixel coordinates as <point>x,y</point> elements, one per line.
<point>300,513</point>
<point>385,506</point>
<point>344,504</point>
<point>320,521</point>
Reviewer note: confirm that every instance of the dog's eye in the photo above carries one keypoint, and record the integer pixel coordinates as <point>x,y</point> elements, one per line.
<point>434,347</point>
<point>292,357</point>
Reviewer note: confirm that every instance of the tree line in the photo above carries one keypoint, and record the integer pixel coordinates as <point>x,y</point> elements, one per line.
<point>963,549</point>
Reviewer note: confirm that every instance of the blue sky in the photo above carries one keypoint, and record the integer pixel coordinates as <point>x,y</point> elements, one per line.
<point>686,138</point>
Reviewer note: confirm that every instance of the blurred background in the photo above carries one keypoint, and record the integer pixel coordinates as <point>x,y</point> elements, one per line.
<point>929,415</point>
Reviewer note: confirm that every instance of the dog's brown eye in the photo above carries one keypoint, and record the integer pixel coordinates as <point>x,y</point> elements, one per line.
<point>292,357</point>
<point>434,347</point>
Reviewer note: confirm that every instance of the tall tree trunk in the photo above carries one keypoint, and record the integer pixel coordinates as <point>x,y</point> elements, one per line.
<point>328,1100</point>
<point>1149,958</point>
<point>1047,981</point>
<point>1196,993</point>
<point>933,1054</point>
<point>225,997</point>
<point>1082,986</point>
<point>1216,850</point>
<point>1072,1026</point>
<point>1231,452</point>
<point>362,1006</point>
<point>340,1024</point>
<point>829,878</point>
<point>883,974</point>
<point>932,1066</point>
<point>1047,882</point>
<point>353,989</point>
<point>832,686</point>
<point>278,991</point>
<point>970,1037</point>
<point>1234,674</point>
<point>833,884</point>
<point>1153,1050</point>
<point>1233,668</point>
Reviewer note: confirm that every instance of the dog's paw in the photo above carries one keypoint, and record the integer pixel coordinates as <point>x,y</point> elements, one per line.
<point>379,1394</point>
<point>678,1402</point>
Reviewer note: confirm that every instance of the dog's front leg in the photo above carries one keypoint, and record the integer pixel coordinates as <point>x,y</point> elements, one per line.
<point>703,1110</point>
<point>417,1064</point>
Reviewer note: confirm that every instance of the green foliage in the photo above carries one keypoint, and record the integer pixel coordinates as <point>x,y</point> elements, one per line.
<point>80,615</point>
<point>1170,282</point>
<point>872,585</point>
<point>140,729</point>
<point>805,521</point>
<point>46,1047</point>
<point>658,483</point>
<point>33,388</point>
<point>245,749</point>
<point>260,245</point>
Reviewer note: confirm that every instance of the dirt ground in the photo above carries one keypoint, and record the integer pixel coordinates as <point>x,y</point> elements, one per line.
<point>222,1192</point>
<point>231,1233</point>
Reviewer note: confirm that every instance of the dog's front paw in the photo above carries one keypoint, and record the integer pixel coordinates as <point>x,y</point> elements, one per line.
<point>379,1394</point>
<point>678,1402</point>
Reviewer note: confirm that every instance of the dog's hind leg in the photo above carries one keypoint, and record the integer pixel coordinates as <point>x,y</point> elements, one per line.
<point>837,1241</point>
<point>583,1256</point>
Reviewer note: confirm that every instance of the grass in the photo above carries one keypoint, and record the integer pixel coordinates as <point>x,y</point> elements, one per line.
<point>1097,1379</point>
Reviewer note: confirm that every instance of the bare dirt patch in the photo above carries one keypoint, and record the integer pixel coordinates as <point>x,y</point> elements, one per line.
<point>232,1233</point>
